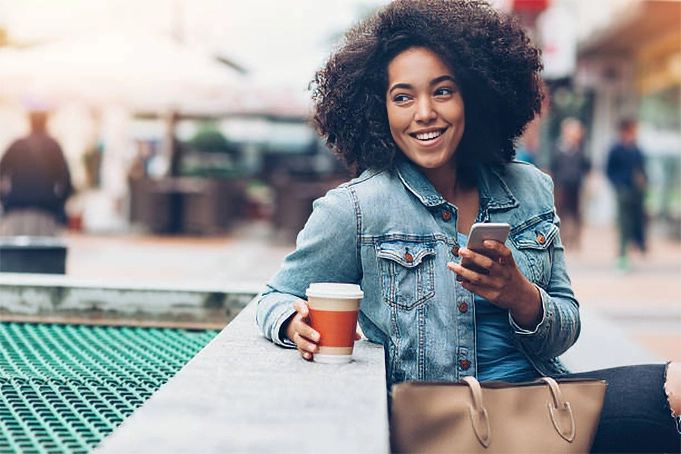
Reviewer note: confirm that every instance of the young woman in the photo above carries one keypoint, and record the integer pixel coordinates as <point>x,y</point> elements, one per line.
<point>424,101</point>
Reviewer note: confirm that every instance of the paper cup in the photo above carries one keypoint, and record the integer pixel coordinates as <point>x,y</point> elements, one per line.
<point>333,313</point>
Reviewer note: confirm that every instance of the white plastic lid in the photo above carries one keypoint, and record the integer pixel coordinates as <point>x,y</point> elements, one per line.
<point>334,290</point>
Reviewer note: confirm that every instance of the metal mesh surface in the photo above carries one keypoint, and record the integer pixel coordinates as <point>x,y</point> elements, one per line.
<point>63,388</point>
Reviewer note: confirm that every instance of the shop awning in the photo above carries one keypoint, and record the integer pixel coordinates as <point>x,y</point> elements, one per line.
<point>648,20</point>
<point>531,6</point>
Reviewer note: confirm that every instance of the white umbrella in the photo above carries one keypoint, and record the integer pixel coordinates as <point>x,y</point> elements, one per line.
<point>142,72</point>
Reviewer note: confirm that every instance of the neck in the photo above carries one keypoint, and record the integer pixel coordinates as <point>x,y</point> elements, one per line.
<point>444,180</point>
<point>467,200</point>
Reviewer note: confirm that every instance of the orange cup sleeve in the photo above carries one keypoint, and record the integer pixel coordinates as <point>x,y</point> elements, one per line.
<point>336,328</point>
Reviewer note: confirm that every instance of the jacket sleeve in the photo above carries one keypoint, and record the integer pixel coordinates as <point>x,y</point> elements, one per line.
<point>610,165</point>
<point>326,251</point>
<point>9,157</point>
<point>61,175</point>
<point>560,325</point>
<point>7,163</point>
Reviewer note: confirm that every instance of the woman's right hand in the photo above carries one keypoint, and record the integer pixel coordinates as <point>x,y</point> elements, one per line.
<point>301,333</point>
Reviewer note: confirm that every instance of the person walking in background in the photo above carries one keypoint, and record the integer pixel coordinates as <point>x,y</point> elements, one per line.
<point>625,168</point>
<point>35,183</point>
<point>568,166</point>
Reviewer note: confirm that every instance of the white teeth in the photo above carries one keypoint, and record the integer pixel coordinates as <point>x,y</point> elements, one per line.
<point>428,135</point>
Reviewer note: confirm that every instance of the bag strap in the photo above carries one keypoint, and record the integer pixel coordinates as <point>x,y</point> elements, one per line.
<point>478,412</point>
<point>561,413</point>
<point>560,410</point>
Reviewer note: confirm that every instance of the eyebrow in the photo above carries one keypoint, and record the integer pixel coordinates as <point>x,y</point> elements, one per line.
<point>435,81</point>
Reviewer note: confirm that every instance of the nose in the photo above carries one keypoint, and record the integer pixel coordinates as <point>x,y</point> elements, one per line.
<point>425,110</point>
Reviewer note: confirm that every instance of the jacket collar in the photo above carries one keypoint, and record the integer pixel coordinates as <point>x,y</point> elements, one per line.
<point>416,182</point>
<point>494,192</point>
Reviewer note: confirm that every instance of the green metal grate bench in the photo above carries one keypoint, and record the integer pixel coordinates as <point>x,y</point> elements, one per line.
<point>63,388</point>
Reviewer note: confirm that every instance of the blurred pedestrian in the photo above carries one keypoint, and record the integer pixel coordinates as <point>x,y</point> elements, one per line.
<point>568,166</point>
<point>625,169</point>
<point>35,183</point>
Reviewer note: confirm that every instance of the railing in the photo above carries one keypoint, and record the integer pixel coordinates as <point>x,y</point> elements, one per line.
<point>52,298</point>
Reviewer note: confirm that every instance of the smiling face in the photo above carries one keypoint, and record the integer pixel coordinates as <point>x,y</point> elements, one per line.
<point>425,109</point>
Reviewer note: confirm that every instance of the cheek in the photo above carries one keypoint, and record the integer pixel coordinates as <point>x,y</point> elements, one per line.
<point>458,114</point>
<point>455,110</point>
<point>396,123</point>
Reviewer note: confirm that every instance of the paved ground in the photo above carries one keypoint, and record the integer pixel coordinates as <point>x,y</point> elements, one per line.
<point>247,256</point>
<point>645,302</point>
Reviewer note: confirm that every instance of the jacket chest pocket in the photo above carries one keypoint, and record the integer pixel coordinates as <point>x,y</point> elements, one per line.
<point>407,274</point>
<point>535,252</point>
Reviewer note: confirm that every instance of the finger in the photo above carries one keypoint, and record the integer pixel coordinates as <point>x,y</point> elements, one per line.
<point>358,336</point>
<point>301,307</point>
<point>304,344</point>
<point>303,329</point>
<point>502,254</point>
<point>463,274</point>
<point>496,246</point>
<point>306,355</point>
<point>499,252</point>
<point>478,262</point>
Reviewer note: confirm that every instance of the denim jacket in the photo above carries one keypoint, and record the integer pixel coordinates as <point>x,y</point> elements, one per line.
<point>393,233</point>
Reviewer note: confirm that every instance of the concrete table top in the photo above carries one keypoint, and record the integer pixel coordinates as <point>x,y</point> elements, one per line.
<point>241,393</point>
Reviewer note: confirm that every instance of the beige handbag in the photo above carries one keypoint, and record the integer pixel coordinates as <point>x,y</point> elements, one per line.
<point>543,416</point>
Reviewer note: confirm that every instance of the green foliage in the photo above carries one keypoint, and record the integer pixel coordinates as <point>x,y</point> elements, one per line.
<point>209,139</point>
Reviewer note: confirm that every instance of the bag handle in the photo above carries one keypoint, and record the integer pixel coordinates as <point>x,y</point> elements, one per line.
<point>478,412</point>
<point>560,411</point>
<point>560,407</point>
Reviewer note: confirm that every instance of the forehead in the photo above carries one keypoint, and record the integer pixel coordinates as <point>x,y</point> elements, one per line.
<point>417,63</point>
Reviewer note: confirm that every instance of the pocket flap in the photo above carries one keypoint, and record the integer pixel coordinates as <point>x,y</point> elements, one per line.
<point>539,235</point>
<point>409,255</point>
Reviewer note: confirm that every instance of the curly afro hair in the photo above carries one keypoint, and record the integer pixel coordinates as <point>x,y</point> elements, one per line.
<point>496,67</point>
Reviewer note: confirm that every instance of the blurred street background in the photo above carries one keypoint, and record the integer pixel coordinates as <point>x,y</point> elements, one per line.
<point>184,124</point>
<point>644,304</point>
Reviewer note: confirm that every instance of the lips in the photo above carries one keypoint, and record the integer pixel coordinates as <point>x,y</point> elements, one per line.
<point>428,135</point>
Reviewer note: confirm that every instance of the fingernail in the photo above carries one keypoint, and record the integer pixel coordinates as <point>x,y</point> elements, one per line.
<point>315,336</point>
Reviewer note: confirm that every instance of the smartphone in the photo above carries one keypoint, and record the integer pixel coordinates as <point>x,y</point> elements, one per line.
<point>481,231</point>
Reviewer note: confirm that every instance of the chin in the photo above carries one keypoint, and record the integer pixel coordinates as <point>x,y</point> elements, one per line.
<point>431,165</point>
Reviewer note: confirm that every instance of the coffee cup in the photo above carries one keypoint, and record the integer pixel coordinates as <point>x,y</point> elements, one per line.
<point>333,314</point>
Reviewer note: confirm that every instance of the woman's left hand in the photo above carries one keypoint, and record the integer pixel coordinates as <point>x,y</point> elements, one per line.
<point>500,282</point>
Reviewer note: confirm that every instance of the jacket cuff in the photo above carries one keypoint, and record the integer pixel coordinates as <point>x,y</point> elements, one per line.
<point>525,332</point>
<point>278,336</point>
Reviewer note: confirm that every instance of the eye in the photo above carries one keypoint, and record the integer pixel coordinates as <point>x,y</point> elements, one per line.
<point>444,91</point>
<point>401,98</point>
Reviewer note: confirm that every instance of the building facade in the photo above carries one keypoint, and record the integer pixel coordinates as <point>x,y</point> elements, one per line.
<point>631,67</point>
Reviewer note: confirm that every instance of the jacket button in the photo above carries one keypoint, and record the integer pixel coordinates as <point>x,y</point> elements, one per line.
<point>463,307</point>
<point>464,364</point>
<point>446,215</point>
<point>541,239</point>
<point>408,257</point>
<point>455,251</point>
